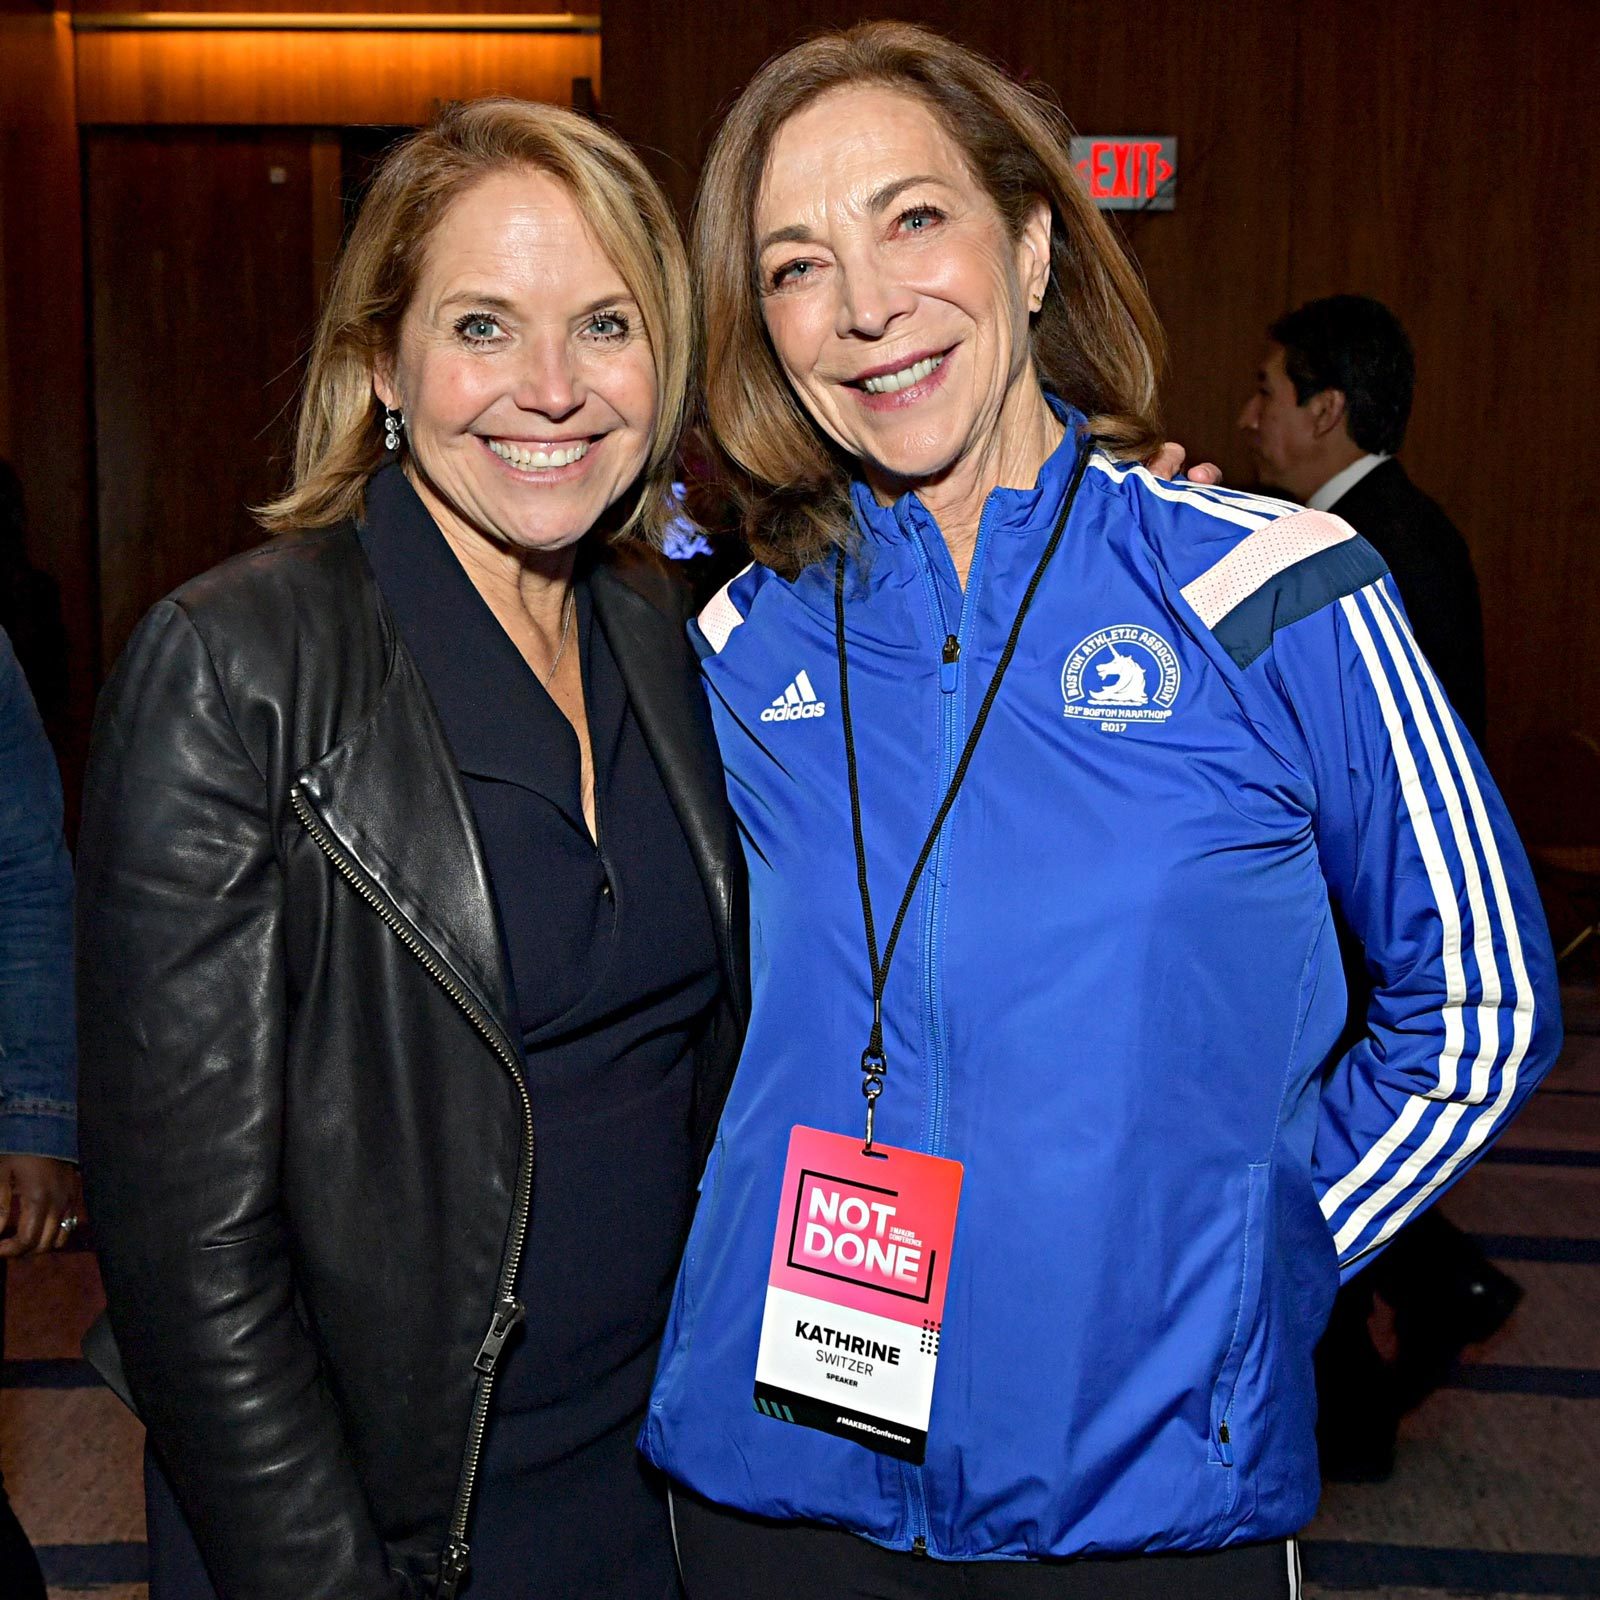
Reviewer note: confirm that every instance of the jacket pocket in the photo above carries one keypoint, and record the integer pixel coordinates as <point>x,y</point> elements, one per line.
<point>1253,1251</point>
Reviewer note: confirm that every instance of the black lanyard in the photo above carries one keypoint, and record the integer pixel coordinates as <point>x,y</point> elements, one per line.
<point>874,1065</point>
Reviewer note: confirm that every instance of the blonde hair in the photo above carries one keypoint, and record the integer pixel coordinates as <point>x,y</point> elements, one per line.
<point>1095,340</point>
<point>338,441</point>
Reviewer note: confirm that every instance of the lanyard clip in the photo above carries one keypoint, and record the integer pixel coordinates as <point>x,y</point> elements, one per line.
<point>874,1067</point>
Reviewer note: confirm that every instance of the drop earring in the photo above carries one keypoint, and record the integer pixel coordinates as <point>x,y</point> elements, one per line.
<point>392,420</point>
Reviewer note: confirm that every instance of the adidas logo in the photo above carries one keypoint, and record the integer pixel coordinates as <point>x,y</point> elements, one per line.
<point>798,700</point>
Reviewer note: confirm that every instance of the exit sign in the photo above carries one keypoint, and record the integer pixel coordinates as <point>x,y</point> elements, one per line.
<point>1129,172</point>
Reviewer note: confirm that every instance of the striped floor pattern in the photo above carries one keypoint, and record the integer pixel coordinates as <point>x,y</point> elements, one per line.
<point>1496,1494</point>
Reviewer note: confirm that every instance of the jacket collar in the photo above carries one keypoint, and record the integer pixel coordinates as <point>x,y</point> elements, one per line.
<point>1018,511</point>
<point>1344,480</point>
<point>391,801</point>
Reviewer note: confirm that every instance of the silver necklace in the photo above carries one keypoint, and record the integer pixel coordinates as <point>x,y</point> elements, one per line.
<point>566,628</point>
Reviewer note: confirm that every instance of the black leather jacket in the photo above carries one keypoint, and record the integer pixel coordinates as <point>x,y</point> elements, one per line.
<point>306,1140</point>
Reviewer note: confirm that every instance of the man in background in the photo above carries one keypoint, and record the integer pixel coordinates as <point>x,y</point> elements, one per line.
<point>1333,395</point>
<point>1329,413</point>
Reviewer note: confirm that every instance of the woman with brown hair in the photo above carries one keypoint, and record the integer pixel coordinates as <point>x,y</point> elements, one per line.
<point>408,939</point>
<point>1043,1162</point>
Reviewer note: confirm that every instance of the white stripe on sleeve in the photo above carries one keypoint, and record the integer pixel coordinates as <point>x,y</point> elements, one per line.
<point>1410,1173</point>
<point>1418,811</point>
<point>1522,1012</point>
<point>1179,493</point>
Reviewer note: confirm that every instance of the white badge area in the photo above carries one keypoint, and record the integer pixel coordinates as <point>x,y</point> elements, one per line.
<point>871,1366</point>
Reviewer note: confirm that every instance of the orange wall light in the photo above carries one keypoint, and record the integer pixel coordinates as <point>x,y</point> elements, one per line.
<point>321,68</point>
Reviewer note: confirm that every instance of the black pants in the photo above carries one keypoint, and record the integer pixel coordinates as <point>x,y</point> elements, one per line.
<point>20,1577</point>
<point>176,1570</point>
<point>728,1556</point>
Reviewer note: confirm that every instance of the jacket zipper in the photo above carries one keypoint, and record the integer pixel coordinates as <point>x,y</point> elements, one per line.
<point>951,676</point>
<point>951,734</point>
<point>949,681</point>
<point>509,1311</point>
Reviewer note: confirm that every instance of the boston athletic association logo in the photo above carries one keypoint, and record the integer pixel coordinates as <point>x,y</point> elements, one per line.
<point>1120,676</point>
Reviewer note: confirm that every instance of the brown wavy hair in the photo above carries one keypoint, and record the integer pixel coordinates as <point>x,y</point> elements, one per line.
<point>1096,341</point>
<point>338,441</point>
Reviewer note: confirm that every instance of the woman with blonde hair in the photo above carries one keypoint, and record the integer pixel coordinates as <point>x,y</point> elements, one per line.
<point>408,938</point>
<point>1044,1158</point>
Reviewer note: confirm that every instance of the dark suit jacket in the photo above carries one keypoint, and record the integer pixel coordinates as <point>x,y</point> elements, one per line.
<point>1432,569</point>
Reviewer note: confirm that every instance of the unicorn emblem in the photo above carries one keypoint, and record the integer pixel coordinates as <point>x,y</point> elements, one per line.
<point>1127,685</point>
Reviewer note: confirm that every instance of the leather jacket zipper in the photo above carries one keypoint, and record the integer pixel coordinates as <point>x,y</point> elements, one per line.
<point>509,1311</point>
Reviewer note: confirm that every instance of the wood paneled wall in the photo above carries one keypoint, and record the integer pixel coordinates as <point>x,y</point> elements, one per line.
<point>1440,156</point>
<point>202,253</point>
<point>1452,169</point>
<point>44,423</point>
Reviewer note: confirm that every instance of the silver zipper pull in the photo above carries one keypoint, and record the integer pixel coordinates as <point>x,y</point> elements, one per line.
<point>507,1314</point>
<point>453,1566</point>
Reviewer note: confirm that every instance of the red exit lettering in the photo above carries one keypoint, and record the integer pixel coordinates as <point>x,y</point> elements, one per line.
<point>1117,170</point>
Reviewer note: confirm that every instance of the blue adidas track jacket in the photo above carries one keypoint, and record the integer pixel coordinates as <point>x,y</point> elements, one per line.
<point>1117,1000</point>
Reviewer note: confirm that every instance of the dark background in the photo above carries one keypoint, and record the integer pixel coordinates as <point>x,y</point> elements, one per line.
<point>170,202</point>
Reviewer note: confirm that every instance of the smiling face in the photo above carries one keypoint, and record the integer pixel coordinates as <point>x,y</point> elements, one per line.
<point>894,295</point>
<point>523,370</point>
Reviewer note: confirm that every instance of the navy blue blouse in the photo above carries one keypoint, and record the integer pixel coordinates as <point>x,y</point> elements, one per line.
<point>612,956</point>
